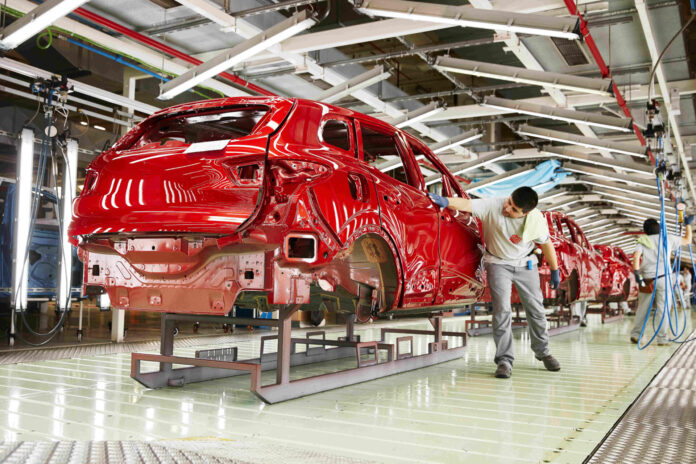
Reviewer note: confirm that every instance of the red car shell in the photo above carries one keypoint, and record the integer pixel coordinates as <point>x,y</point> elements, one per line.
<point>579,264</point>
<point>271,201</point>
<point>618,281</point>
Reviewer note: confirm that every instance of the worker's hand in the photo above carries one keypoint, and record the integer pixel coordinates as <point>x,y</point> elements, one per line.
<point>639,278</point>
<point>688,220</point>
<point>555,279</point>
<point>440,201</point>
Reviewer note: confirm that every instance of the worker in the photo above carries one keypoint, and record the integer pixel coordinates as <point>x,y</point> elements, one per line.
<point>579,310</point>
<point>687,281</point>
<point>649,272</point>
<point>511,227</point>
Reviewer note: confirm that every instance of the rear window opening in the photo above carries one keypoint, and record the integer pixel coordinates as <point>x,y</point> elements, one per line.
<point>187,129</point>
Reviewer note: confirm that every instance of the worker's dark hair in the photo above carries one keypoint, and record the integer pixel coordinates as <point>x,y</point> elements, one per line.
<point>525,198</point>
<point>651,227</point>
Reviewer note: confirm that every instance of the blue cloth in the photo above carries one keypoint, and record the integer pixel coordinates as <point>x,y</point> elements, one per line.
<point>543,178</point>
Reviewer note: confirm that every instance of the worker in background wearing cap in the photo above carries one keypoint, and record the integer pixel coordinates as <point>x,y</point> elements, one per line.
<point>511,228</point>
<point>650,272</point>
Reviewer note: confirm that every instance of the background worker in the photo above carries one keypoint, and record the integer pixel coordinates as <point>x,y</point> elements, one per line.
<point>511,227</point>
<point>645,272</point>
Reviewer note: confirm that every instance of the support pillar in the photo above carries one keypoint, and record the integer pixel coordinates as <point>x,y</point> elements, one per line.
<point>118,325</point>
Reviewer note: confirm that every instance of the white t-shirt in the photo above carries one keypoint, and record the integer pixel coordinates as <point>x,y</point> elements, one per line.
<point>502,234</point>
<point>649,264</point>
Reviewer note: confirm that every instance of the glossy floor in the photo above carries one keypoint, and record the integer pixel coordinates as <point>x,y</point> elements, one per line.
<point>452,412</point>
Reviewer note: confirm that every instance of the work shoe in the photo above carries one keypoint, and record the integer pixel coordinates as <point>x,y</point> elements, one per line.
<point>634,340</point>
<point>504,371</point>
<point>551,363</point>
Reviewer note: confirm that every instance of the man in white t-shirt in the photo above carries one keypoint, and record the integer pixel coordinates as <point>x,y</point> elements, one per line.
<point>511,229</point>
<point>647,248</point>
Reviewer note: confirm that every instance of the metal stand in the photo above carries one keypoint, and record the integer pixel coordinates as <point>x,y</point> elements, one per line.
<point>564,321</point>
<point>220,363</point>
<point>610,314</point>
<point>79,325</point>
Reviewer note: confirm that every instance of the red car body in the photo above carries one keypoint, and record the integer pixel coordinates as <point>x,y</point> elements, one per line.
<point>580,265</point>
<point>618,281</point>
<point>272,201</point>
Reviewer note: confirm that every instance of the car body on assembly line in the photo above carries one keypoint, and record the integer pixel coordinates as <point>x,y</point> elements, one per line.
<point>618,281</point>
<point>268,201</point>
<point>579,264</point>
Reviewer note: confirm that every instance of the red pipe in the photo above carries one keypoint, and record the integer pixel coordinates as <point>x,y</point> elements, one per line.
<point>165,48</point>
<point>604,69</point>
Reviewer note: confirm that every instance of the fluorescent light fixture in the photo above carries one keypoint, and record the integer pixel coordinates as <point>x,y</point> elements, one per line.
<point>655,210</point>
<point>588,217</point>
<point>350,86</point>
<point>395,163</point>
<point>555,195</point>
<point>614,186</point>
<point>415,116</point>
<point>477,163</point>
<point>561,114</point>
<point>466,16</point>
<point>569,153</point>
<point>608,193</point>
<point>20,255</point>
<point>603,87</point>
<point>627,148</point>
<point>36,21</point>
<point>629,179</point>
<point>641,216</point>
<point>522,170</point>
<point>237,54</point>
<point>84,123</point>
<point>68,193</point>
<point>101,128</point>
<point>560,205</point>
<point>466,137</point>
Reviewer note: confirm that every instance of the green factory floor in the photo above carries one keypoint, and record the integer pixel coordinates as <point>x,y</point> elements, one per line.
<point>449,413</point>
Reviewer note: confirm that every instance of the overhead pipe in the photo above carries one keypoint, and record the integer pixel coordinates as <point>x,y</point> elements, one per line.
<point>165,48</point>
<point>604,69</point>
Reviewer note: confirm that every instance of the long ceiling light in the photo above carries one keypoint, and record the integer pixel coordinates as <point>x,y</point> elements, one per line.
<point>605,192</point>
<point>655,210</point>
<point>461,139</point>
<point>237,54</point>
<point>418,115</point>
<point>569,153</point>
<point>629,179</point>
<point>477,163</point>
<point>561,114</point>
<point>601,87</point>
<point>359,82</point>
<point>466,16</point>
<point>627,148</point>
<point>36,21</point>
<point>614,186</point>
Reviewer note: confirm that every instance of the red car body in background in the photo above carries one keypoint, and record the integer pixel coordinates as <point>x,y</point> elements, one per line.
<point>580,265</point>
<point>618,281</point>
<point>272,201</point>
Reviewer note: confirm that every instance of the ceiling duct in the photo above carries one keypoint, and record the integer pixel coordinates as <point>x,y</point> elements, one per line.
<point>570,51</point>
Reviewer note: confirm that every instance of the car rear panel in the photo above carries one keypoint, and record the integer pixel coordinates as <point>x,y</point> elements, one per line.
<point>169,187</point>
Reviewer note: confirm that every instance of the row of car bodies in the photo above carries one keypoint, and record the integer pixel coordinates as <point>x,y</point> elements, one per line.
<point>272,201</point>
<point>593,273</point>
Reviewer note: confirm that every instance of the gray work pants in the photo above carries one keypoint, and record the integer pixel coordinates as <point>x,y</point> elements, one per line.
<point>644,307</point>
<point>500,280</point>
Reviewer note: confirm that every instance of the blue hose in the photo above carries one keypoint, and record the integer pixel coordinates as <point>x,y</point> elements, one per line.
<point>118,59</point>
